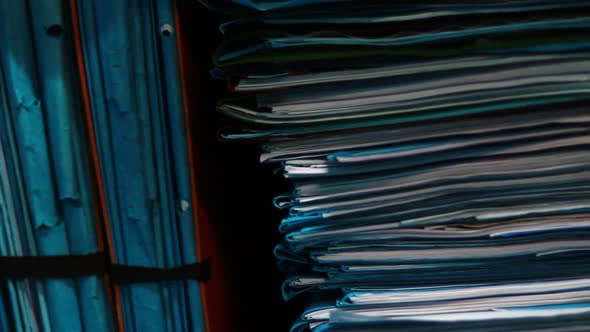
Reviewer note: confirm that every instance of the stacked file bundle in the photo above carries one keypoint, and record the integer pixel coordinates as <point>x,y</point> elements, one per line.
<point>438,153</point>
<point>47,204</point>
<point>98,226</point>
<point>131,66</point>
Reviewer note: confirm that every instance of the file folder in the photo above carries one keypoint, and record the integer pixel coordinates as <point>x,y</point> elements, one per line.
<point>46,180</point>
<point>141,138</point>
<point>96,187</point>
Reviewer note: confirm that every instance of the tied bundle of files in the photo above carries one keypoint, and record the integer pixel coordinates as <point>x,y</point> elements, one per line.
<point>132,68</point>
<point>438,153</point>
<point>94,162</point>
<point>46,198</point>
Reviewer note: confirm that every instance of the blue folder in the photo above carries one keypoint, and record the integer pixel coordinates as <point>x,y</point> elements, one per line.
<point>48,173</point>
<point>131,64</point>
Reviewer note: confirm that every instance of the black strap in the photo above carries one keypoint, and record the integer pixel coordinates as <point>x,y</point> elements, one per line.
<point>124,274</point>
<point>16,267</point>
<point>70,266</point>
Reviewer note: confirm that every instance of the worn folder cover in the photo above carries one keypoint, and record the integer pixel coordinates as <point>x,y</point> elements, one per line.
<point>101,220</point>
<point>48,206</point>
<point>138,114</point>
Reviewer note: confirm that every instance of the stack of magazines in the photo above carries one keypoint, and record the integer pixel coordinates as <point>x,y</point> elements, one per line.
<point>439,155</point>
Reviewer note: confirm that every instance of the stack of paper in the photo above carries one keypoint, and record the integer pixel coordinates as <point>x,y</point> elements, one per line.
<point>438,152</point>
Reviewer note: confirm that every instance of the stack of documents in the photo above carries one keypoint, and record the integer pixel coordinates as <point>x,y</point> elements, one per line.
<point>438,154</point>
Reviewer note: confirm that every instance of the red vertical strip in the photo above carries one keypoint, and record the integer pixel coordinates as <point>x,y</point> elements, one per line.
<point>216,309</point>
<point>102,224</point>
